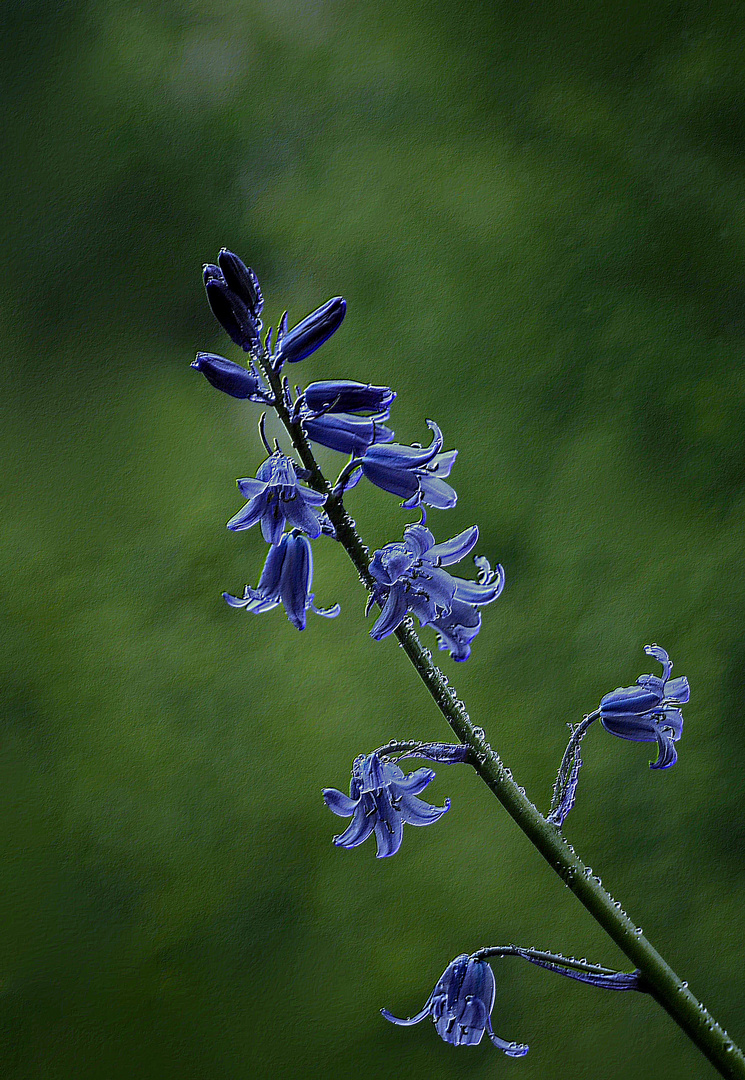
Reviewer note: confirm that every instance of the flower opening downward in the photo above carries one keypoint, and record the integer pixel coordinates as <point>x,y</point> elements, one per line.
<point>460,1006</point>
<point>382,798</point>
<point>286,579</point>
<point>649,711</point>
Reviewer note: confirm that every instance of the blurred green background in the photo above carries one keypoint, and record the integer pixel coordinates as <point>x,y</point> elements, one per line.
<point>535,213</point>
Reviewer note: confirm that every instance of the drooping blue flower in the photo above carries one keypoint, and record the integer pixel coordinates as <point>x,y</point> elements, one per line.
<point>345,432</point>
<point>382,798</point>
<point>231,378</point>
<point>461,1005</point>
<point>276,497</point>
<point>286,579</point>
<point>311,333</point>
<point>236,311</point>
<point>649,711</point>
<point>414,473</point>
<point>345,396</point>
<point>411,577</point>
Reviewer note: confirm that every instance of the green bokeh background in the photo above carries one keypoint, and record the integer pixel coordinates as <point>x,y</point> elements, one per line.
<point>535,213</point>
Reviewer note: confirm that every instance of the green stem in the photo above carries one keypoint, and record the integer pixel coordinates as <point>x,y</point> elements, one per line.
<point>665,986</point>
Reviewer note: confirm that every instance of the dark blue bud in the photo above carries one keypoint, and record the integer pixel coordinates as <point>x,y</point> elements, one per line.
<point>342,395</point>
<point>229,377</point>
<point>311,333</point>
<point>242,280</point>
<point>231,311</point>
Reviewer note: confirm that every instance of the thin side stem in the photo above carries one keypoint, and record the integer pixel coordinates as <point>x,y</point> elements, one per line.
<point>666,987</point>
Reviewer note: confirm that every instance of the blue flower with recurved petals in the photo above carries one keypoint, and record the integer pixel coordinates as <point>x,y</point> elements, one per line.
<point>461,1004</point>
<point>414,473</point>
<point>286,579</point>
<point>382,798</point>
<point>411,577</point>
<point>649,711</point>
<point>274,497</point>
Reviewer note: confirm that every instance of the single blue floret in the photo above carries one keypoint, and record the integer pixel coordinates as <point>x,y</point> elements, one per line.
<point>382,798</point>
<point>346,396</point>
<point>346,432</point>
<point>414,473</point>
<point>460,1006</point>
<point>649,711</point>
<point>295,344</point>
<point>231,378</point>
<point>345,416</point>
<point>275,496</point>
<point>286,579</point>
<point>411,577</point>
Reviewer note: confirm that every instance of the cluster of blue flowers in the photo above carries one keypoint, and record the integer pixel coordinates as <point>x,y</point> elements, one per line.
<point>407,577</point>
<point>349,417</point>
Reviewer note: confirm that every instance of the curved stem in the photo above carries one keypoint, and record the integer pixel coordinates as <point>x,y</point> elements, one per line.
<point>602,977</point>
<point>566,780</point>
<point>666,987</point>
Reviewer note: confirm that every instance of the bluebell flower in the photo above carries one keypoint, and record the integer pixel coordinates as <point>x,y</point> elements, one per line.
<point>649,711</point>
<point>411,577</point>
<point>276,497</point>
<point>345,416</point>
<point>311,333</point>
<point>233,310</point>
<point>461,1005</point>
<point>231,378</point>
<point>382,798</point>
<point>345,432</point>
<point>286,579</point>
<point>345,396</point>
<point>414,473</point>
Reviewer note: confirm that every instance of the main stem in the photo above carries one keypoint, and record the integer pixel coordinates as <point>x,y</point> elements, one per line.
<point>665,986</point>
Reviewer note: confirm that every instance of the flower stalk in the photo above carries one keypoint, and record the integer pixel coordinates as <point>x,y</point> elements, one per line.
<point>665,986</point>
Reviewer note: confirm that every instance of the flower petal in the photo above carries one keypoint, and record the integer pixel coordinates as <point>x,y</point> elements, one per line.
<point>452,551</point>
<point>409,1021</point>
<point>362,825</point>
<point>511,1049</point>
<point>397,481</point>
<point>417,812</point>
<point>393,613</point>
<point>273,521</point>
<point>250,514</point>
<point>302,517</point>
<point>339,803</point>
<point>437,493</point>
<point>389,826</point>
<point>659,654</point>
<point>297,574</point>
<point>667,754</point>
<point>678,690</point>
<point>411,783</point>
